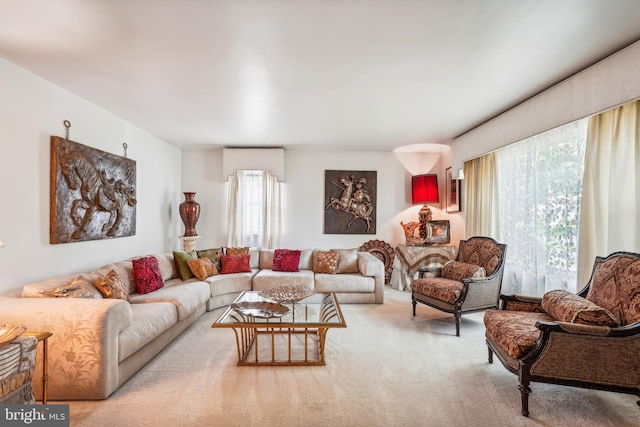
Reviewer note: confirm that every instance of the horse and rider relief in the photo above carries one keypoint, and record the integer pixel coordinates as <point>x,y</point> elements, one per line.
<point>93,193</point>
<point>350,202</point>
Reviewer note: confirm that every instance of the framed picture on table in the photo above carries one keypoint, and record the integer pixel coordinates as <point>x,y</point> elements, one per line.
<point>452,192</point>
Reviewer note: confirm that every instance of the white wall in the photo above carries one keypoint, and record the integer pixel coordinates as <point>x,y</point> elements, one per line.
<point>303,194</point>
<point>31,110</point>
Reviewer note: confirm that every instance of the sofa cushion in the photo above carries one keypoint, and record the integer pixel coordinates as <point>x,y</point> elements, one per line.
<point>235,264</point>
<point>347,260</point>
<point>514,331</point>
<point>230,283</point>
<point>456,270</point>
<point>237,251</point>
<point>79,287</point>
<point>440,288</point>
<point>182,264</point>
<point>188,297</point>
<point>147,274</point>
<point>266,259</point>
<point>167,266</point>
<point>482,252</point>
<point>286,260</point>
<point>111,286</point>
<point>202,268</point>
<point>213,254</point>
<point>349,282</point>
<point>148,321</point>
<point>268,278</point>
<point>567,307</point>
<point>125,272</point>
<point>325,262</point>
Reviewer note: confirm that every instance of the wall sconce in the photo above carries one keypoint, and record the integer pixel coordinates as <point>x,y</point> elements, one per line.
<point>460,174</point>
<point>424,189</point>
<point>1,244</point>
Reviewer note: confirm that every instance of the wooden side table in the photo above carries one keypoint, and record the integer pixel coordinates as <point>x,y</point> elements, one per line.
<point>43,336</point>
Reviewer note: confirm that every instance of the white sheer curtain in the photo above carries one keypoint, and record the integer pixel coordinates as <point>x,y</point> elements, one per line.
<point>610,213</point>
<point>254,210</point>
<point>540,189</point>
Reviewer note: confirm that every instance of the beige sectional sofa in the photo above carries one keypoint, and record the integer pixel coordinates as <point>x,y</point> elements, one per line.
<point>99,343</point>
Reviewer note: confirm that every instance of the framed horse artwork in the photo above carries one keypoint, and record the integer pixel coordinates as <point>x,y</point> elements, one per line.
<point>350,202</point>
<point>92,193</point>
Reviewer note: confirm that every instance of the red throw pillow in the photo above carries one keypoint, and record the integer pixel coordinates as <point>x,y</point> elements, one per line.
<point>286,260</point>
<point>235,264</point>
<point>147,275</point>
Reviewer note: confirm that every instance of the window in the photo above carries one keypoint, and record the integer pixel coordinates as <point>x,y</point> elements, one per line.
<point>254,215</point>
<point>540,186</point>
<point>252,207</point>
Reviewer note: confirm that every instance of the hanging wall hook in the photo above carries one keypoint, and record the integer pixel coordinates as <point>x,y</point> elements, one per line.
<point>67,125</point>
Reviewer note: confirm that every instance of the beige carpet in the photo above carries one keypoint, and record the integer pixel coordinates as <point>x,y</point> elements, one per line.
<point>387,368</point>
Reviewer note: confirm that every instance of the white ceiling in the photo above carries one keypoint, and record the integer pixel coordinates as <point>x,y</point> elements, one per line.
<point>350,74</point>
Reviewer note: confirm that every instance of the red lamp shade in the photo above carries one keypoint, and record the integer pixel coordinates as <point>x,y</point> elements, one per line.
<point>424,189</point>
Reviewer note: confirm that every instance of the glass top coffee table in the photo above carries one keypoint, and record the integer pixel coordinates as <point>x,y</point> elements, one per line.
<point>289,334</point>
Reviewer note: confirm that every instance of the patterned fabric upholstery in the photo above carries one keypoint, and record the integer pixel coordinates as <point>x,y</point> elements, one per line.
<point>456,270</point>
<point>614,286</point>
<point>443,289</point>
<point>514,331</point>
<point>568,307</point>
<point>481,252</point>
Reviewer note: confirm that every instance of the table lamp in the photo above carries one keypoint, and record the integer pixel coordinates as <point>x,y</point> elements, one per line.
<point>424,189</point>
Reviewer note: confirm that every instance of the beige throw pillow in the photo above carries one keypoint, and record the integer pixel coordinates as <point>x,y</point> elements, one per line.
<point>347,260</point>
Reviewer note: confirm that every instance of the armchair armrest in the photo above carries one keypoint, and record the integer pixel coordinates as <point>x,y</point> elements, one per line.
<point>581,329</point>
<point>521,303</point>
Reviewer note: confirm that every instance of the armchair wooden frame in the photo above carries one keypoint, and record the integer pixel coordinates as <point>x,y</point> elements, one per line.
<point>578,355</point>
<point>476,295</point>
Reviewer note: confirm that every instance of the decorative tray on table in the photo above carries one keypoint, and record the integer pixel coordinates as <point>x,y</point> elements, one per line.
<point>287,294</point>
<point>10,332</point>
<point>263,309</point>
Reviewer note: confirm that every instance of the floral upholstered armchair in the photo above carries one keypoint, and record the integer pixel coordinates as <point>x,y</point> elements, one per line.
<point>589,340</point>
<point>470,283</point>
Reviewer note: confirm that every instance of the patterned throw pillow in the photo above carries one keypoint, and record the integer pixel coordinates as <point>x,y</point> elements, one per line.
<point>181,259</point>
<point>202,267</point>
<point>237,251</point>
<point>213,254</point>
<point>286,260</point>
<point>325,262</point>
<point>79,287</point>
<point>347,260</point>
<point>456,270</point>
<point>567,307</point>
<point>111,286</point>
<point>147,274</point>
<point>235,264</point>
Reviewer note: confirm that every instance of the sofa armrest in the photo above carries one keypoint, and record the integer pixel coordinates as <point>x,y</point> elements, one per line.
<point>83,350</point>
<point>371,266</point>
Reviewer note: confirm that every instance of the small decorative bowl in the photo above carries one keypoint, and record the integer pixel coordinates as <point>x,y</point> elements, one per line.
<point>262,309</point>
<point>287,294</point>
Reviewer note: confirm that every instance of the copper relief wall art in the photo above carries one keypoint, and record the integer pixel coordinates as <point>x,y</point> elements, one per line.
<point>350,202</point>
<point>92,194</point>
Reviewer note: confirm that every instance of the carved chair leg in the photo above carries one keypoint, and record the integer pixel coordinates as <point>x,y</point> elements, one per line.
<point>457,315</point>
<point>490,354</point>
<point>413,301</point>
<point>524,394</point>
